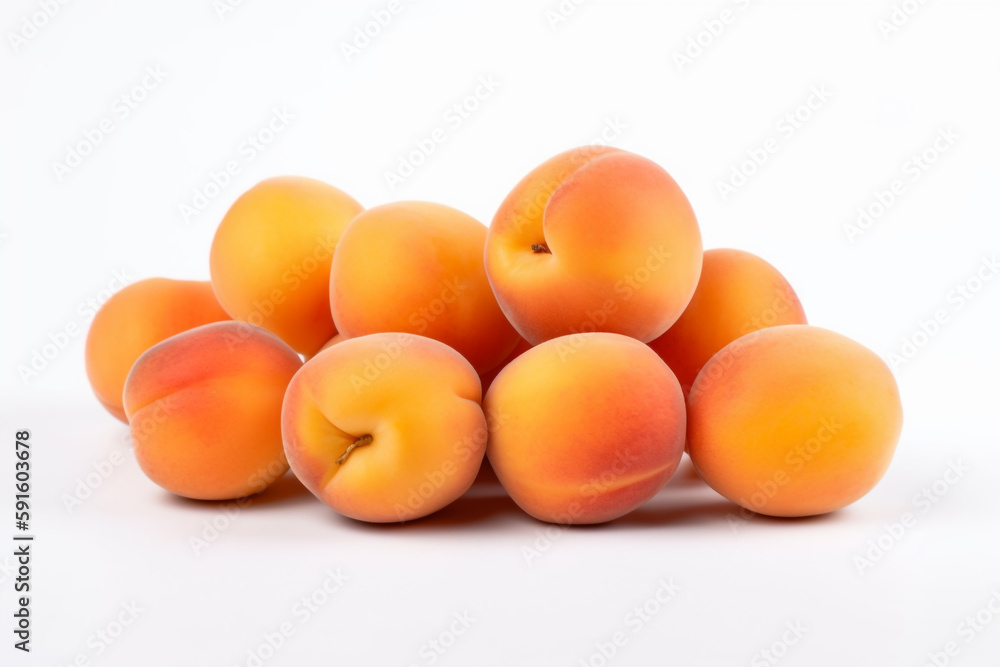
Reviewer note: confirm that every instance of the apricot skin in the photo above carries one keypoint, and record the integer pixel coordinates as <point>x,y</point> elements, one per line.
<point>594,239</point>
<point>136,318</point>
<point>585,428</point>
<point>412,401</point>
<point>793,421</point>
<point>738,293</point>
<point>204,408</point>
<point>271,256</point>
<point>417,267</point>
<point>339,337</point>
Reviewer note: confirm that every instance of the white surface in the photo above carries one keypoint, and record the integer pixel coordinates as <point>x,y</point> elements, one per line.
<point>609,64</point>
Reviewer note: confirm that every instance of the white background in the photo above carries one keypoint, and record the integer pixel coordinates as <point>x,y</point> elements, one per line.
<point>608,64</point>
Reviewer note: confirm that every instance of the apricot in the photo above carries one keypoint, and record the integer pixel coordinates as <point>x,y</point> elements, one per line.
<point>738,293</point>
<point>585,428</point>
<point>271,255</point>
<point>417,267</point>
<point>204,409</point>
<point>793,421</point>
<point>385,427</point>
<point>134,319</point>
<point>594,239</point>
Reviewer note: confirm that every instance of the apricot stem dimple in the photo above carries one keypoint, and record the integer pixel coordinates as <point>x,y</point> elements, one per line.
<point>360,442</point>
<point>540,247</point>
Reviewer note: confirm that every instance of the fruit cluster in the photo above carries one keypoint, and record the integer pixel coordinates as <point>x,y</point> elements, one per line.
<point>606,342</point>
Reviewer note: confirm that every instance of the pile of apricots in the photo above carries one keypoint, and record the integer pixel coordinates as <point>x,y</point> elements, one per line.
<point>580,345</point>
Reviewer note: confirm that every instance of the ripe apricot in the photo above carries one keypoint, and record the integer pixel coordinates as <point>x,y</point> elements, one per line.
<point>594,239</point>
<point>585,428</point>
<point>271,256</point>
<point>204,408</point>
<point>385,427</point>
<point>793,420</point>
<point>417,267</point>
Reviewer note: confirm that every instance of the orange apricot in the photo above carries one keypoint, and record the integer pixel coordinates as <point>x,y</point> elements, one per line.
<point>585,428</point>
<point>385,427</point>
<point>271,257</point>
<point>594,239</point>
<point>793,420</point>
<point>417,267</point>
<point>204,408</point>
